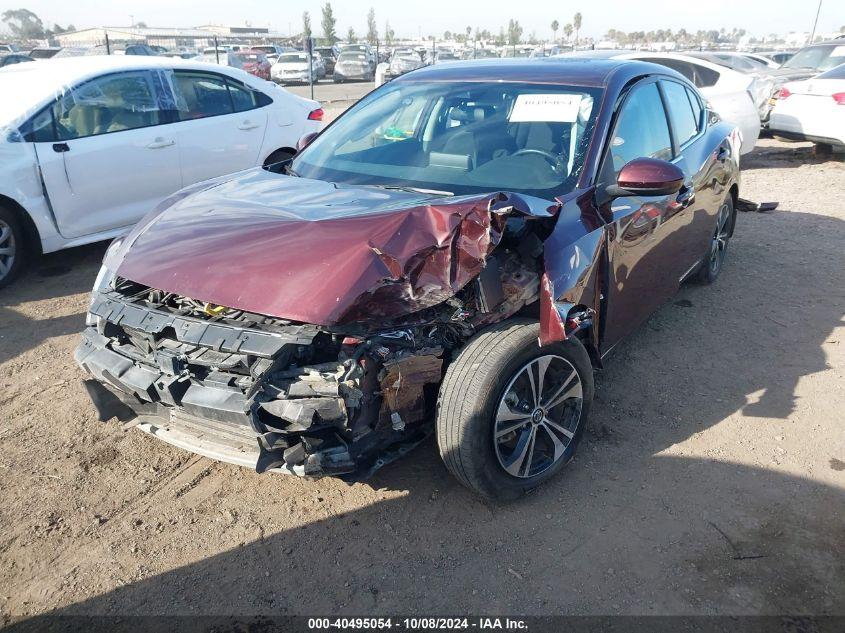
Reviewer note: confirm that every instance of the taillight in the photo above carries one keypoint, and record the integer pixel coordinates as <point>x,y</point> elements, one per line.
<point>839,97</point>
<point>316,115</point>
<point>784,93</point>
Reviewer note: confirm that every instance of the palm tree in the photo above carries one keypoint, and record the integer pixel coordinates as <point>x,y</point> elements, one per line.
<point>576,22</point>
<point>567,31</point>
<point>555,27</point>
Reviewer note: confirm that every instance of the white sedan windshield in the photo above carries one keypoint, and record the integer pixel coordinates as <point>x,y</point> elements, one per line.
<point>459,137</point>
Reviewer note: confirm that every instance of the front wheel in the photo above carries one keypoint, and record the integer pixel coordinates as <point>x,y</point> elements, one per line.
<point>510,413</point>
<point>11,247</point>
<point>718,247</point>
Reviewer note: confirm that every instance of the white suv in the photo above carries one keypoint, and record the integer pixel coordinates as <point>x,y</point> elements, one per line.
<point>89,145</point>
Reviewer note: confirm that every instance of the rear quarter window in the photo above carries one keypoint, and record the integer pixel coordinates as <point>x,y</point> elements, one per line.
<point>700,76</point>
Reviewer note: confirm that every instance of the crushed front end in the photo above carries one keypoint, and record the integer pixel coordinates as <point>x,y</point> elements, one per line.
<point>279,395</point>
<point>336,380</point>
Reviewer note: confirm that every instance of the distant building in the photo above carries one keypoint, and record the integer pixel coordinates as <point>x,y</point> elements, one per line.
<point>198,37</point>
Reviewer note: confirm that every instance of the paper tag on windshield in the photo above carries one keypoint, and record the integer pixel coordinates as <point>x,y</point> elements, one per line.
<point>548,108</point>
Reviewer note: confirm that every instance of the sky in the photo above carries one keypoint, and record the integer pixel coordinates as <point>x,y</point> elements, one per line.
<point>757,17</point>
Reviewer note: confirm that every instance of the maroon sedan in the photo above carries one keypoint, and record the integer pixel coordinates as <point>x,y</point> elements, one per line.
<point>255,63</point>
<point>452,256</point>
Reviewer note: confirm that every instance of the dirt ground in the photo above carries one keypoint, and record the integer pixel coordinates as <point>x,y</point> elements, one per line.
<point>711,480</point>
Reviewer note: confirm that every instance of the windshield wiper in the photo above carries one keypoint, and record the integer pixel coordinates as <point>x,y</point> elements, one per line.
<point>435,192</point>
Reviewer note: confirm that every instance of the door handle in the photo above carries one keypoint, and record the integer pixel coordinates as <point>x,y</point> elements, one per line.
<point>247,125</point>
<point>61,147</point>
<point>161,142</point>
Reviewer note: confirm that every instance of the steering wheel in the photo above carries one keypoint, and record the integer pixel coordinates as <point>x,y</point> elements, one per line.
<point>556,162</point>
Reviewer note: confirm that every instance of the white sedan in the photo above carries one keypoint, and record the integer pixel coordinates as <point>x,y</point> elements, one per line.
<point>812,110</point>
<point>89,145</point>
<point>734,96</point>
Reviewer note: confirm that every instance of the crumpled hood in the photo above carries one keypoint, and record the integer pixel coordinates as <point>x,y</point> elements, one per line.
<point>316,252</point>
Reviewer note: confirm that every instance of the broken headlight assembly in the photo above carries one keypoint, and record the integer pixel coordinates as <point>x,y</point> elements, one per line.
<point>104,279</point>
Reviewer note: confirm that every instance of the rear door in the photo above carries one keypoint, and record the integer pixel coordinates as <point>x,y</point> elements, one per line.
<point>222,124</point>
<point>106,152</point>
<point>693,211</point>
<point>642,246</point>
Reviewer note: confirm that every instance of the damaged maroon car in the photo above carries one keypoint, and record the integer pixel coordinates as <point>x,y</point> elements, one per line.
<point>454,255</point>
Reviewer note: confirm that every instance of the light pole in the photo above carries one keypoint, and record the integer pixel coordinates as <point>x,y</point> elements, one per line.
<point>815,23</point>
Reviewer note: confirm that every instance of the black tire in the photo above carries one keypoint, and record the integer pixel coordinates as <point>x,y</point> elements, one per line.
<point>823,149</point>
<point>12,247</point>
<point>717,248</point>
<point>477,382</point>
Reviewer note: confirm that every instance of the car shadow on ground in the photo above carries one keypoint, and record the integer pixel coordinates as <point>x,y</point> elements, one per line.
<point>49,277</point>
<point>635,525</point>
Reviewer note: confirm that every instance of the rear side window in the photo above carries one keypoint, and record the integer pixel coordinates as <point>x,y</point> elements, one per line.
<point>697,108</point>
<point>700,76</point>
<point>202,95</point>
<point>684,121</point>
<point>245,98</point>
<point>641,129</point>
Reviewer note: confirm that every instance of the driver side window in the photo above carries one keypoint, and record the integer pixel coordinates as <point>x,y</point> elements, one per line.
<point>641,128</point>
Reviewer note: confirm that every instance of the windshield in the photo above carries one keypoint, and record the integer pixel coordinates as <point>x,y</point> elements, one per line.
<point>460,138</point>
<point>293,58</point>
<point>250,57</point>
<point>817,58</point>
<point>352,57</point>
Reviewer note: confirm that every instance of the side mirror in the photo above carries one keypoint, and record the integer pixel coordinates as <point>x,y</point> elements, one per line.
<point>647,177</point>
<point>305,141</point>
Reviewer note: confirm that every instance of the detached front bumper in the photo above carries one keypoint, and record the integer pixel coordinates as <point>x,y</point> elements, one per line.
<point>226,442</point>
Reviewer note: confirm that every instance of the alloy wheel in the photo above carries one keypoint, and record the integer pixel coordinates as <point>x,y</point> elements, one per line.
<point>8,249</point>
<point>538,416</point>
<point>719,243</point>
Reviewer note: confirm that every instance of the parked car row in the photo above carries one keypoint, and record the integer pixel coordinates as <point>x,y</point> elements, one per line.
<point>743,88</point>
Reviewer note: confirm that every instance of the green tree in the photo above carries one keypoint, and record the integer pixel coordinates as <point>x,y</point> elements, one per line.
<point>555,27</point>
<point>389,34</point>
<point>306,26</point>
<point>576,23</point>
<point>350,36</point>
<point>329,23</point>
<point>372,30</point>
<point>514,32</point>
<point>567,31</point>
<point>24,24</point>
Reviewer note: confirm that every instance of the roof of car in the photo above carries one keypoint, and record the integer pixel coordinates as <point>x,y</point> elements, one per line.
<point>73,67</point>
<point>550,70</point>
